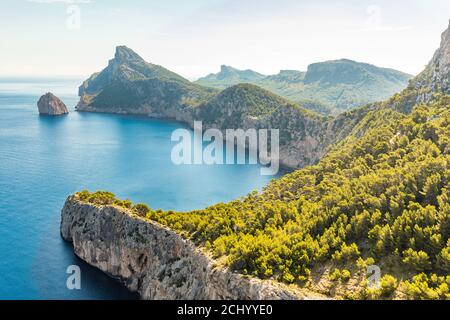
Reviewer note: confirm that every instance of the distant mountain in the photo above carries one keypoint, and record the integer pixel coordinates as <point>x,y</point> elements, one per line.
<point>328,87</point>
<point>229,76</point>
<point>287,76</point>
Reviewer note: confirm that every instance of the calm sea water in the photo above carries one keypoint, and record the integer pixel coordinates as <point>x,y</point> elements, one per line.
<point>45,159</point>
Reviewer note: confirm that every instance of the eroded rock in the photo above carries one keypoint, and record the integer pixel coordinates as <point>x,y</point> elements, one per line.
<point>51,105</point>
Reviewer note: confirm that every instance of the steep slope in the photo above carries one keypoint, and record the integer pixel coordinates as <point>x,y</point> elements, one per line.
<point>328,87</point>
<point>431,84</point>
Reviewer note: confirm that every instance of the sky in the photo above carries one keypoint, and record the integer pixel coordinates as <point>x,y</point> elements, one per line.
<point>75,38</point>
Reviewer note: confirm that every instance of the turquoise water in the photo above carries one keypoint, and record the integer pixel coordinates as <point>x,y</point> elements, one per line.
<point>44,159</point>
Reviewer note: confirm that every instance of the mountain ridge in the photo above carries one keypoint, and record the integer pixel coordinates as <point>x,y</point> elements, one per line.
<point>330,87</point>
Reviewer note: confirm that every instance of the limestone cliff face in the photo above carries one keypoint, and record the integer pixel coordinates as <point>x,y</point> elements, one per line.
<point>51,105</point>
<point>153,260</point>
<point>436,76</point>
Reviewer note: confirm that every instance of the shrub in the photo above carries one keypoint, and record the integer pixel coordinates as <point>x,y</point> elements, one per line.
<point>425,287</point>
<point>347,253</point>
<point>142,209</point>
<point>416,260</point>
<point>335,275</point>
<point>345,275</point>
<point>98,198</point>
<point>443,260</point>
<point>388,285</point>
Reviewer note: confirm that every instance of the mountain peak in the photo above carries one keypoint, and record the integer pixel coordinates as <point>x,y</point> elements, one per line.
<point>126,66</point>
<point>125,54</point>
<point>227,70</point>
<point>445,46</point>
<point>224,68</point>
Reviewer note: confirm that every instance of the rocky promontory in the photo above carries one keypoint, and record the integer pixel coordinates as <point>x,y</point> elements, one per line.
<point>130,85</point>
<point>51,105</point>
<point>153,260</point>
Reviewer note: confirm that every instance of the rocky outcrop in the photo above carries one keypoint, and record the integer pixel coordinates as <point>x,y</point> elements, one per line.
<point>51,105</point>
<point>436,76</point>
<point>441,64</point>
<point>336,86</point>
<point>155,261</point>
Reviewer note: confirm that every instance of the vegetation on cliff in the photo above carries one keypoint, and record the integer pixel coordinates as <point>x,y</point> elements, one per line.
<point>246,105</point>
<point>385,197</point>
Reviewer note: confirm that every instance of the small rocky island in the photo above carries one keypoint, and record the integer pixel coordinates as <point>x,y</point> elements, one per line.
<point>51,105</point>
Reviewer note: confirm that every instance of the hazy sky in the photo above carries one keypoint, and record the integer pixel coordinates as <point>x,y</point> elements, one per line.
<point>193,38</point>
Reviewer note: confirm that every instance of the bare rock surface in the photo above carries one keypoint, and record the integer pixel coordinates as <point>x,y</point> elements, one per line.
<point>51,105</point>
<point>436,76</point>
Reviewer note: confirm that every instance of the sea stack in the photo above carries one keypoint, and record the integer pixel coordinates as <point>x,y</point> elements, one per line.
<point>51,105</point>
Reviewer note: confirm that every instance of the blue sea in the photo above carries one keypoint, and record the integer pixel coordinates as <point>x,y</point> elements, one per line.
<point>45,159</point>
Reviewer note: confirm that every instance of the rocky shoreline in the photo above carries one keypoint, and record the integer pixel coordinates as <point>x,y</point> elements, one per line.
<point>291,157</point>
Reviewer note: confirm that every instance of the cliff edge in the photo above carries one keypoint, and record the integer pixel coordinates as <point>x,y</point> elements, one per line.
<point>155,261</point>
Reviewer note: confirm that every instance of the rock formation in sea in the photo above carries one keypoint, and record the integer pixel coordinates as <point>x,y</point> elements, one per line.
<point>154,261</point>
<point>51,105</point>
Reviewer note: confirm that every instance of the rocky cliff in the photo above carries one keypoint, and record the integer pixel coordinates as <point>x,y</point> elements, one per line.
<point>436,76</point>
<point>51,105</point>
<point>329,87</point>
<point>155,261</point>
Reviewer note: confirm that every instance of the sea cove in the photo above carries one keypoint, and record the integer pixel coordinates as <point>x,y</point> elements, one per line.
<point>44,159</point>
